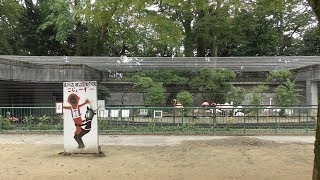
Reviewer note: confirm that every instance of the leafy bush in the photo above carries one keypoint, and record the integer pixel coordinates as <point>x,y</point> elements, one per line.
<point>236,95</point>
<point>28,119</point>
<point>185,98</point>
<point>280,76</point>
<point>155,95</point>
<point>102,124</point>
<point>6,123</point>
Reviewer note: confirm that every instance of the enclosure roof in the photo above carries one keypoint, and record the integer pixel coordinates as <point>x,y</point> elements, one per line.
<point>238,64</point>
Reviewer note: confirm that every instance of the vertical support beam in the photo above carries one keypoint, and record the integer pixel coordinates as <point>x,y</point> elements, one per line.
<point>312,94</point>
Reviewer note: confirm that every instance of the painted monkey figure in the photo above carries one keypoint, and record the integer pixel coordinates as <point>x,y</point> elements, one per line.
<point>73,99</point>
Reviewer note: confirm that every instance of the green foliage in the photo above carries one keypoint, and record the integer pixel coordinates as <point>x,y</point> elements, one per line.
<point>229,122</point>
<point>167,77</point>
<point>185,98</point>
<point>213,83</point>
<point>6,124</point>
<point>280,76</point>
<point>311,43</point>
<point>141,83</point>
<point>103,93</point>
<point>10,12</point>
<point>44,119</point>
<point>28,119</point>
<point>256,92</point>
<point>135,27</point>
<point>102,123</point>
<point>287,94</point>
<point>155,95</point>
<point>236,95</point>
<point>59,19</point>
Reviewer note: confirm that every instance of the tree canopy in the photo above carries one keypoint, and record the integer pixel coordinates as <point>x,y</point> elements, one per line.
<point>159,27</point>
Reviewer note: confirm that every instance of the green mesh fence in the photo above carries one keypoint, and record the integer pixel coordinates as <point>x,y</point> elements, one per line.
<point>243,120</point>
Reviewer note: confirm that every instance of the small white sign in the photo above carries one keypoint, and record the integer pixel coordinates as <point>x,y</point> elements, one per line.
<point>59,109</point>
<point>103,113</point>
<point>143,112</point>
<point>114,113</point>
<point>101,104</point>
<point>125,113</point>
<point>157,114</point>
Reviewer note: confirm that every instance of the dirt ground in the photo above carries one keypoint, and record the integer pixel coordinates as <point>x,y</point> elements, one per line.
<point>231,158</point>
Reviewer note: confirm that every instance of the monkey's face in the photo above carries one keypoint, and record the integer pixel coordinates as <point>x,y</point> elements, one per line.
<point>73,100</point>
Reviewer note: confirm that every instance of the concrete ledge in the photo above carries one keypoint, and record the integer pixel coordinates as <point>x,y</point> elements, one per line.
<point>31,72</point>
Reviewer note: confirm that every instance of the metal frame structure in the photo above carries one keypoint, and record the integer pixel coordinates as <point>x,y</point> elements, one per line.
<point>237,64</point>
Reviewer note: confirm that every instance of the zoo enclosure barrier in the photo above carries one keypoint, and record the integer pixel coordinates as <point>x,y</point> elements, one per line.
<point>241,119</point>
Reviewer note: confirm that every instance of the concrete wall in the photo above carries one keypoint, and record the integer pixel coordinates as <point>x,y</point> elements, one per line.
<point>22,71</point>
<point>310,77</point>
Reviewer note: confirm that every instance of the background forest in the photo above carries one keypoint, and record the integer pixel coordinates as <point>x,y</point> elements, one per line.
<point>159,28</point>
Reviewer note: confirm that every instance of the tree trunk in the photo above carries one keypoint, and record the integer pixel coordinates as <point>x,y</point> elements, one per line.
<point>315,5</point>
<point>214,50</point>
<point>188,42</point>
<point>316,165</point>
<point>282,45</point>
<point>78,29</point>
<point>201,45</point>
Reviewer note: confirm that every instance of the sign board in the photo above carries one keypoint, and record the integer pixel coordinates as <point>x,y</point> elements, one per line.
<point>143,112</point>
<point>125,113</point>
<point>114,113</point>
<point>80,118</point>
<point>157,114</point>
<point>59,109</point>
<point>101,105</point>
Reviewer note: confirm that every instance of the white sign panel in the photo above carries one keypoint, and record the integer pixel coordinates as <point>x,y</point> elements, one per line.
<point>101,104</point>
<point>59,108</point>
<point>80,118</point>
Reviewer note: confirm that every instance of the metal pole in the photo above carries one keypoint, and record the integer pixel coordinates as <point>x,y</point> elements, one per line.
<point>121,120</point>
<point>1,119</point>
<point>307,124</point>
<point>213,119</point>
<point>30,120</point>
<point>182,119</point>
<point>244,123</point>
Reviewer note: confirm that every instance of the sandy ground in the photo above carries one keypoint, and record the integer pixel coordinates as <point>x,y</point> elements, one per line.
<point>220,158</point>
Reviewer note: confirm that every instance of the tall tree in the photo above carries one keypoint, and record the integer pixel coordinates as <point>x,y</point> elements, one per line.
<point>9,13</point>
<point>315,5</point>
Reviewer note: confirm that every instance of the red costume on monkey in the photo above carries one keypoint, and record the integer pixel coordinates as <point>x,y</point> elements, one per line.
<point>73,99</point>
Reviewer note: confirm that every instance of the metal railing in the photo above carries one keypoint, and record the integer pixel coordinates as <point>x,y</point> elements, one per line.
<point>243,120</point>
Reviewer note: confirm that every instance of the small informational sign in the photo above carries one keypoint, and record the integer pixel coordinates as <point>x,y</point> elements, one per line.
<point>101,104</point>
<point>114,113</point>
<point>103,113</point>
<point>125,113</point>
<point>80,117</point>
<point>157,114</point>
<point>59,109</point>
<point>143,112</point>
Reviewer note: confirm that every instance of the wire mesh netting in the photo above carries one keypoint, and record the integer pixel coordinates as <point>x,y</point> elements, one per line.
<point>238,64</point>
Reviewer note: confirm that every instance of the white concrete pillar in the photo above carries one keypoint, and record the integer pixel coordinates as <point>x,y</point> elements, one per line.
<point>312,92</point>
